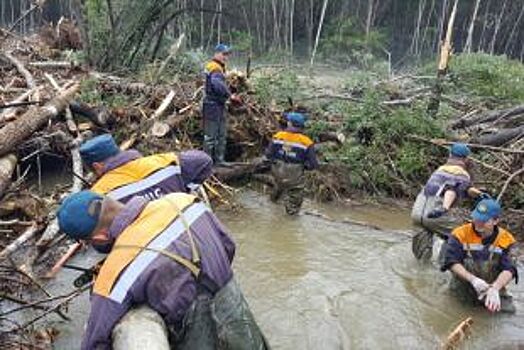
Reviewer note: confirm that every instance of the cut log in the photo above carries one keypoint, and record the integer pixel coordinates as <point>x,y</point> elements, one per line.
<point>160,129</point>
<point>141,328</point>
<point>98,115</point>
<point>15,132</point>
<point>7,168</point>
<point>9,113</point>
<point>458,335</point>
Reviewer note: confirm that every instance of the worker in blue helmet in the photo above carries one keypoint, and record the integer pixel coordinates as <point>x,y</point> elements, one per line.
<point>432,211</point>
<point>172,255</point>
<point>291,152</point>
<point>480,256</point>
<point>216,95</point>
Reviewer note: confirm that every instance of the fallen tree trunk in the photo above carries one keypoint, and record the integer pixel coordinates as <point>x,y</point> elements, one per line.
<point>17,243</point>
<point>30,81</point>
<point>15,132</point>
<point>487,117</point>
<point>7,168</point>
<point>499,138</point>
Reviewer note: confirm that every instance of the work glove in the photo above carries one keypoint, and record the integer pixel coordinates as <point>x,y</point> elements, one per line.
<point>492,301</point>
<point>479,285</point>
<point>436,213</point>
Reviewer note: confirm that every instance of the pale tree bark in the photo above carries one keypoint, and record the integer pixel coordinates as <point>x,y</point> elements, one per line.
<point>219,25</point>
<point>416,34</point>
<point>291,22</point>
<point>369,18</point>
<point>469,40</point>
<point>513,30</point>
<point>486,23</point>
<point>497,28</point>
<point>319,30</point>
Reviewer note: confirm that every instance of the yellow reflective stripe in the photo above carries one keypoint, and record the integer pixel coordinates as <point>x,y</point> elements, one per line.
<point>133,171</point>
<point>292,144</point>
<point>454,170</point>
<point>146,256</point>
<point>154,219</point>
<point>293,137</point>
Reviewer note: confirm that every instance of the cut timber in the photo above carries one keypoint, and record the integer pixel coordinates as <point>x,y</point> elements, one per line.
<point>7,168</point>
<point>16,132</point>
<point>160,129</point>
<point>458,335</point>
<point>10,113</point>
<point>141,328</point>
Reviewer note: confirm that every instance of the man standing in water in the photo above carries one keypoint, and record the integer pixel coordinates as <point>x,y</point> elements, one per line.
<point>214,107</point>
<point>432,211</point>
<point>479,256</point>
<point>172,255</point>
<point>291,152</point>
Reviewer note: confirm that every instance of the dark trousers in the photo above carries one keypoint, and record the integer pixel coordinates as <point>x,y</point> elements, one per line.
<point>289,183</point>
<point>215,131</point>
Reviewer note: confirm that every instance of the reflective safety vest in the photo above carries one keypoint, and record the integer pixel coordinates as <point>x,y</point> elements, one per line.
<point>160,223</point>
<point>483,260</point>
<point>291,147</point>
<point>454,170</point>
<point>151,177</point>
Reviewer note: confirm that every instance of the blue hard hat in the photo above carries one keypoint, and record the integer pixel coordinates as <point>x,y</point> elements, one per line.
<point>459,150</point>
<point>74,216</point>
<point>296,119</point>
<point>98,149</point>
<point>223,48</point>
<point>486,209</point>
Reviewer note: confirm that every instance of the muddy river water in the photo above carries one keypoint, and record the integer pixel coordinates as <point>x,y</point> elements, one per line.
<point>314,283</point>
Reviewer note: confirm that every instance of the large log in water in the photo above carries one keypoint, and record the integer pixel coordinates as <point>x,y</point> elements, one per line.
<point>141,329</point>
<point>15,132</point>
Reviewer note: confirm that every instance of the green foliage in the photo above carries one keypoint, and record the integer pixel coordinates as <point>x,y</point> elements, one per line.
<point>484,78</point>
<point>381,157</point>
<point>90,94</point>
<point>241,41</point>
<point>345,41</point>
<point>276,87</point>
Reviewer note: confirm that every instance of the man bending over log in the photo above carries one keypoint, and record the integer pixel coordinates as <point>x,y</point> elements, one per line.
<point>479,256</point>
<point>432,211</point>
<point>172,255</point>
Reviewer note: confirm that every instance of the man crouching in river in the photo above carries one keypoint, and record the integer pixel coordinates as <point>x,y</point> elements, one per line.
<point>171,254</point>
<point>478,255</point>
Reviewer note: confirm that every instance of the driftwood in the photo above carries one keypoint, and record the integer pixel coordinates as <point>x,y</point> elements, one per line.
<point>7,168</point>
<point>16,132</point>
<point>458,335</point>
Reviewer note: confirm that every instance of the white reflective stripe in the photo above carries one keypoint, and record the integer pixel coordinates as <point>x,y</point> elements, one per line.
<point>142,261</point>
<point>293,144</point>
<point>145,183</point>
<point>494,249</point>
<point>473,246</point>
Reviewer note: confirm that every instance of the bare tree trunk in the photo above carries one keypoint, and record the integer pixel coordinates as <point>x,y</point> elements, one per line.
<point>469,40</point>
<point>202,25</point>
<point>319,30</point>
<point>291,22</point>
<point>486,22</point>
<point>219,25</point>
<point>416,35</point>
<point>515,25</point>
<point>368,18</point>
<point>497,28</point>
<point>441,25</point>
<point>430,14</point>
